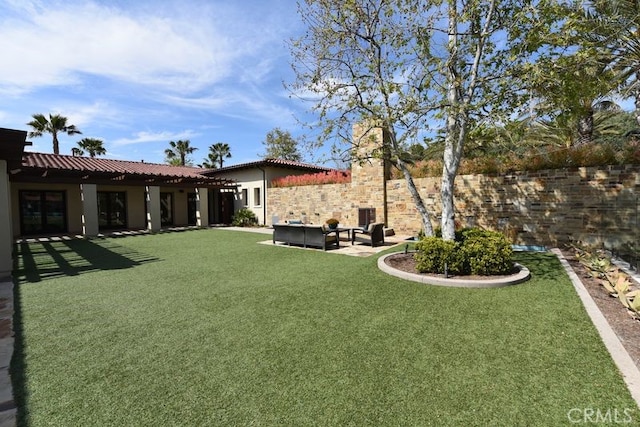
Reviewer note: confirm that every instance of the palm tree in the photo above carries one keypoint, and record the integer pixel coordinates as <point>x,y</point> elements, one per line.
<point>55,124</point>
<point>565,131</point>
<point>210,162</point>
<point>614,26</point>
<point>574,88</point>
<point>220,151</point>
<point>76,152</point>
<point>93,146</point>
<point>179,150</point>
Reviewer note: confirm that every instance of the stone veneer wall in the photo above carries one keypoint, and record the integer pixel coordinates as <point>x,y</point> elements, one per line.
<point>597,205</point>
<point>312,203</point>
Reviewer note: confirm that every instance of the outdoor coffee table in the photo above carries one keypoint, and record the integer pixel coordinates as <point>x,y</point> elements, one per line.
<point>348,230</point>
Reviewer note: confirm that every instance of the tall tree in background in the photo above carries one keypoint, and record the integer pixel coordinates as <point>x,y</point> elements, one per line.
<point>615,25</point>
<point>415,67</point>
<point>572,89</point>
<point>218,152</point>
<point>54,125</point>
<point>576,79</point>
<point>281,145</point>
<point>177,153</point>
<point>93,146</point>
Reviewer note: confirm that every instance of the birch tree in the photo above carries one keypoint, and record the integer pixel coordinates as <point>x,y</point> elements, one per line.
<point>417,68</point>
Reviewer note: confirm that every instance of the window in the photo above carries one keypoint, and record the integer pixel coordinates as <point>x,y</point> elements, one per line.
<point>166,209</point>
<point>245,197</point>
<point>112,209</point>
<point>257,200</point>
<point>43,212</point>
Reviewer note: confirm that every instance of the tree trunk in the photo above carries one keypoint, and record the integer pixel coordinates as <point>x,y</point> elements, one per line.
<point>56,145</point>
<point>585,129</point>
<point>417,199</point>
<point>637,98</point>
<point>450,166</point>
<point>448,180</point>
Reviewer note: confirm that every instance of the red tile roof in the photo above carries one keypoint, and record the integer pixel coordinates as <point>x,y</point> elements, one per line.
<point>95,164</point>
<point>287,164</point>
<point>38,167</point>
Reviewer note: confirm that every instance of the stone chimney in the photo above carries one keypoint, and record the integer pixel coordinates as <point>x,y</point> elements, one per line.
<point>369,169</point>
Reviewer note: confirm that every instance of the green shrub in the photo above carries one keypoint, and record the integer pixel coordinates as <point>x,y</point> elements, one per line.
<point>486,253</point>
<point>474,251</point>
<point>244,218</point>
<point>433,254</point>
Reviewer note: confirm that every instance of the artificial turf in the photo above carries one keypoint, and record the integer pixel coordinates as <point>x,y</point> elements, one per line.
<point>208,327</point>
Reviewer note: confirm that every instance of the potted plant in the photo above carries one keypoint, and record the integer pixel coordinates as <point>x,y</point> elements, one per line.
<point>332,223</point>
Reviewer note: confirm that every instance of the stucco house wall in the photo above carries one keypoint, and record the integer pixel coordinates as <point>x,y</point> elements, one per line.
<point>249,180</point>
<point>255,179</point>
<point>135,197</point>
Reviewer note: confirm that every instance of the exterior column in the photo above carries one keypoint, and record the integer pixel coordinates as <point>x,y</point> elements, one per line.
<point>154,217</point>
<point>202,207</point>
<point>89,196</point>
<point>6,233</point>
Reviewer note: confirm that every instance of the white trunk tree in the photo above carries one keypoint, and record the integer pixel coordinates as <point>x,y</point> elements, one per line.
<point>419,68</point>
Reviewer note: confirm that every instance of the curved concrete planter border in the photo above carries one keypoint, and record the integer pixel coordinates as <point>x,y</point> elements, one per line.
<point>521,276</point>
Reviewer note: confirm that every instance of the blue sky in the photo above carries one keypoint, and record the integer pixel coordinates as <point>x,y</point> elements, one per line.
<point>138,74</point>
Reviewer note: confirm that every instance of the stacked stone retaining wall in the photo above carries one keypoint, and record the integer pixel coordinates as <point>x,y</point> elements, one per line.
<point>551,207</point>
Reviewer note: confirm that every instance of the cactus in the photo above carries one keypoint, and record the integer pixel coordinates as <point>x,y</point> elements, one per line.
<point>633,300</point>
<point>607,285</point>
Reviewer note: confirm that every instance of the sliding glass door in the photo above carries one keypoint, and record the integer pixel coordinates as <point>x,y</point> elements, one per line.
<point>42,212</point>
<point>112,208</point>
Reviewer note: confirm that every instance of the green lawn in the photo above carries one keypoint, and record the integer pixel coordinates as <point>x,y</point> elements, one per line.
<point>208,327</point>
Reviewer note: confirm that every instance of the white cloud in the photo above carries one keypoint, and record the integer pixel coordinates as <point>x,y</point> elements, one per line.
<point>162,136</point>
<point>178,52</point>
<point>137,74</point>
<point>96,112</point>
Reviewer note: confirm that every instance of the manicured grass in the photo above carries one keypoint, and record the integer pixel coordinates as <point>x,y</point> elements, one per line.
<point>210,328</point>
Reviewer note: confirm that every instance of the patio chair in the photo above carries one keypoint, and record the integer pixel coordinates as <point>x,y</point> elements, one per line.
<point>372,235</point>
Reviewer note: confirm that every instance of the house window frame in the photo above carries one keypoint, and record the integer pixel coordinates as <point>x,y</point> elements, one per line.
<point>257,196</point>
<point>245,197</point>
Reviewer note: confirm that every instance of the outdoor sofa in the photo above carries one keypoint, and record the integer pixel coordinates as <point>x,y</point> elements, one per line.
<point>305,235</point>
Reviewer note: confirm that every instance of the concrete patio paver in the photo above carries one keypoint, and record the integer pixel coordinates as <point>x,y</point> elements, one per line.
<point>7,404</point>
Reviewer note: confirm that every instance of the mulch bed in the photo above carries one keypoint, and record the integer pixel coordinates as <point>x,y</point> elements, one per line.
<point>626,328</point>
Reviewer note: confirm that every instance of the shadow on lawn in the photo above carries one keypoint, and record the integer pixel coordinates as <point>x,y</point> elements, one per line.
<point>34,262</point>
<point>543,264</point>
